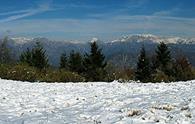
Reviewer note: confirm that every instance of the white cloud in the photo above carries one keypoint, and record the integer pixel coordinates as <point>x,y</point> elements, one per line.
<point>15,12</point>
<point>19,14</point>
<point>107,28</point>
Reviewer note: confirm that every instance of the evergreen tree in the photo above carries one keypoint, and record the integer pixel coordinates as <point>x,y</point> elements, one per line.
<point>26,57</point>
<point>162,63</point>
<point>63,61</point>
<point>39,58</point>
<point>95,64</point>
<point>35,57</point>
<point>163,57</point>
<point>75,62</point>
<point>143,67</point>
<point>5,56</point>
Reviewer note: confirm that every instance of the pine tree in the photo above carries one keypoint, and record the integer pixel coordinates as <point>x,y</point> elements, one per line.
<point>39,58</point>
<point>162,63</point>
<point>26,57</point>
<point>163,57</point>
<point>63,61</point>
<point>35,57</point>
<point>95,64</point>
<point>75,62</point>
<point>5,56</point>
<point>143,72</point>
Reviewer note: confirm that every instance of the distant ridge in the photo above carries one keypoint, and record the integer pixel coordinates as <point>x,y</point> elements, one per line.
<point>149,38</point>
<point>154,39</point>
<point>122,51</point>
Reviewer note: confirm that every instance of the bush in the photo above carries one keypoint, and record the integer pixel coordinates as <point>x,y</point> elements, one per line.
<point>125,74</point>
<point>160,76</point>
<point>183,70</point>
<point>60,76</point>
<point>114,73</point>
<point>22,72</point>
<point>4,70</point>
<point>193,73</point>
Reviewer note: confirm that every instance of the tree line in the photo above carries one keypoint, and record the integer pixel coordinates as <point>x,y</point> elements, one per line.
<point>33,65</point>
<point>162,67</point>
<point>91,66</point>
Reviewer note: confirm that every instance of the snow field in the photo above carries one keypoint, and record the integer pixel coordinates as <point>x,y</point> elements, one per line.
<point>98,102</point>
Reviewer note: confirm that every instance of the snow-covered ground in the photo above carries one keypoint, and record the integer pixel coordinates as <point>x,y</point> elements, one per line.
<point>94,103</point>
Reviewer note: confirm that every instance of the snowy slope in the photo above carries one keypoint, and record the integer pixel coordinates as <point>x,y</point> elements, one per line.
<point>93,103</point>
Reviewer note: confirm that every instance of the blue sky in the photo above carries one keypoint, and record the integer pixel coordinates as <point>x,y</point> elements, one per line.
<point>106,19</point>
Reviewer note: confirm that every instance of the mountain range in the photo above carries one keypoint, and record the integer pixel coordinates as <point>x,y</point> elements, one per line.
<point>121,52</point>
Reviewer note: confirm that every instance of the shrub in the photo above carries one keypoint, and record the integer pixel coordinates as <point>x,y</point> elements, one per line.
<point>3,70</point>
<point>24,72</point>
<point>160,76</point>
<point>193,73</point>
<point>60,76</point>
<point>123,74</point>
<point>21,72</point>
<point>183,70</point>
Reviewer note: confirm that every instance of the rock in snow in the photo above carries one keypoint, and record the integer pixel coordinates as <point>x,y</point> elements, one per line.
<point>95,103</point>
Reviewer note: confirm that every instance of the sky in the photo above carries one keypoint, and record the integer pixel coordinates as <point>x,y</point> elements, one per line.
<point>83,20</point>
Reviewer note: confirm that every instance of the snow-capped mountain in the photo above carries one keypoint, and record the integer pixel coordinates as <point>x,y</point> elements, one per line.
<point>21,40</point>
<point>149,38</point>
<point>136,38</point>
